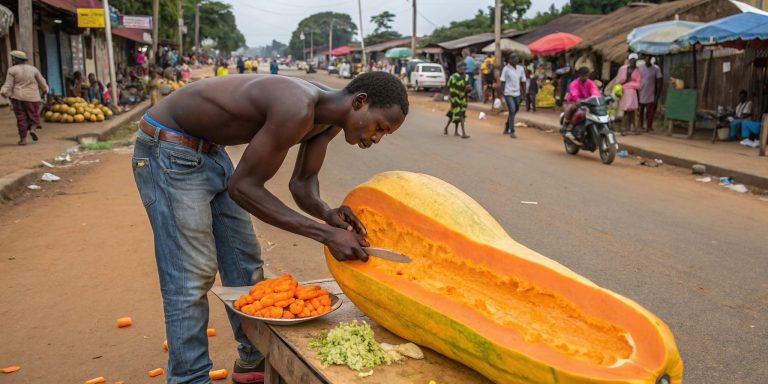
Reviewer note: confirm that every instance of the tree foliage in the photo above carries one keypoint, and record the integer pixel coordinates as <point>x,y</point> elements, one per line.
<point>343,31</point>
<point>383,21</point>
<point>217,23</point>
<point>381,37</point>
<point>168,27</point>
<point>512,11</point>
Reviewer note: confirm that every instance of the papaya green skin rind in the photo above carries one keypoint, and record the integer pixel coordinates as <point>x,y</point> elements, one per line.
<point>426,326</point>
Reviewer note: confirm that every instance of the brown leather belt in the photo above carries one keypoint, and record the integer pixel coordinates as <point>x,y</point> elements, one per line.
<point>176,138</point>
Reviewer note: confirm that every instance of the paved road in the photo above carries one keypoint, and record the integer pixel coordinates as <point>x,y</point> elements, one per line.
<point>692,253</point>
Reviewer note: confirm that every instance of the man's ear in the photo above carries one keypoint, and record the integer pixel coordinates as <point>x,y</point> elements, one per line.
<point>360,100</point>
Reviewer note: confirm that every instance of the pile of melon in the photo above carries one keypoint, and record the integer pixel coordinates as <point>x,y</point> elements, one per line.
<point>76,110</point>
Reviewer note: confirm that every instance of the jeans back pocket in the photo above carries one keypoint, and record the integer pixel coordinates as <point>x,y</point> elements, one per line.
<point>142,173</point>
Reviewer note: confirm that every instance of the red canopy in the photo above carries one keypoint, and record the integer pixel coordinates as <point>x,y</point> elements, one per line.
<point>341,50</point>
<point>554,43</point>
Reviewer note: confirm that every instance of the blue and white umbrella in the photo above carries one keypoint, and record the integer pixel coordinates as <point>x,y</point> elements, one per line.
<point>659,39</point>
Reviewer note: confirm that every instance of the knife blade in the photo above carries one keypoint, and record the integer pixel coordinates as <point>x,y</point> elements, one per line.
<point>387,254</point>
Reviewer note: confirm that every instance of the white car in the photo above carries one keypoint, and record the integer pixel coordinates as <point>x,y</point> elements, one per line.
<point>427,75</point>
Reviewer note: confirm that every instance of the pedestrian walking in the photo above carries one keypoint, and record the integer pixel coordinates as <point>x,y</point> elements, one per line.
<point>650,86</point>
<point>487,68</point>
<point>630,79</point>
<point>512,87</point>
<point>273,67</point>
<point>458,86</point>
<point>23,86</point>
<point>198,203</point>
<point>470,63</point>
<point>533,90</point>
<point>240,65</point>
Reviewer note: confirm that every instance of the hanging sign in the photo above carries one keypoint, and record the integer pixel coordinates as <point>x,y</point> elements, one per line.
<point>90,18</point>
<point>138,22</point>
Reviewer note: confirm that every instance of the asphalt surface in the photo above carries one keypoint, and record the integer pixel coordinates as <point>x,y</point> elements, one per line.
<point>694,254</point>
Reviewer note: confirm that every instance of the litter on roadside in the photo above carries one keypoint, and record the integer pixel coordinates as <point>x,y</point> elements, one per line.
<point>623,153</point>
<point>741,188</point>
<point>47,164</point>
<point>34,187</point>
<point>482,116</point>
<point>49,177</point>
<point>521,125</point>
<point>649,163</point>
<point>699,169</point>
<point>63,158</point>
<point>659,161</point>
<point>704,179</point>
<point>530,202</point>
<point>726,181</point>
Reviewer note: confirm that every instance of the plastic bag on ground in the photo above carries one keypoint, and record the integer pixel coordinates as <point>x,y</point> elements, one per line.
<point>49,177</point>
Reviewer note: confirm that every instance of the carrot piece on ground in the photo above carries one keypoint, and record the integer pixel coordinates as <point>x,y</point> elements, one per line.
<point>11,369</point>
<point>211,332</point>
<point>156,372</point>
<point>96,380</point>
<point>124,322</point>
<point>220,374</point>
<point>165,345</point>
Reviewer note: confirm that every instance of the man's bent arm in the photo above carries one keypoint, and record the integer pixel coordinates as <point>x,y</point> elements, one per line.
<point>304,185</point>
<point>260,162</point>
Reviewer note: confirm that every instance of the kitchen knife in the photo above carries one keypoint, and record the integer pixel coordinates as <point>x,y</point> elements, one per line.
<point>387,254</point>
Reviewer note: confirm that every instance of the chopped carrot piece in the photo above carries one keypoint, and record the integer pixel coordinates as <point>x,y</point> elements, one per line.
<point>124,322</point>
<point>211,332</point>
<point>156,372</point>
<point>165,345</point>
<point>11,369</point>
<point>218,374</point>
<point>96,380</point>
<point>288,315</point>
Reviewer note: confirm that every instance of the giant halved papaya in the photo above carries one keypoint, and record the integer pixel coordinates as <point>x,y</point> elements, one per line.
<point>476,296</point>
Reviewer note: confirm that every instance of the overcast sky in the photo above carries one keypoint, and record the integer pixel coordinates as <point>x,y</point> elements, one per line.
<point>263,20</point>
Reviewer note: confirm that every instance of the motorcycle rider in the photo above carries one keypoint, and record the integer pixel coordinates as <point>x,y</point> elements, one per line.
<point>579,89</point>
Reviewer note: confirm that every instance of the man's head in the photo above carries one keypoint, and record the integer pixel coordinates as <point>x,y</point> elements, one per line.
<point>91,78</point>
<point>379,106</point>
<point>514,59</point>
<point>18,57</point>
<point>583,73</point>
<point>461,68</point>
<point>743,95</point>
<point>632,59</point>
<point>77,75</point>
<point>648,60</point>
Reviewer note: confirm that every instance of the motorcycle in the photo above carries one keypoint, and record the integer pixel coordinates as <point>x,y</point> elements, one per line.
<point>592,127</point>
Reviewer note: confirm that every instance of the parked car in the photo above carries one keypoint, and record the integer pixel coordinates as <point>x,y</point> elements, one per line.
<point>427,75</point>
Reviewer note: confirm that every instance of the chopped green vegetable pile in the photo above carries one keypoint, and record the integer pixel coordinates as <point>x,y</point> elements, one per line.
<point>351,344</point>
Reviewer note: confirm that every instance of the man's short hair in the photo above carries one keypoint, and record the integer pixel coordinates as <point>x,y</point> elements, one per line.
<point>383,90</point>
<point>743,91</point>
<point>461,64</point>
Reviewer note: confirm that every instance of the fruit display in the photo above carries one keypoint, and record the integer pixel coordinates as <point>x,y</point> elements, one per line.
<point>76,110</point>
<point>477,296</point>
<point>283,297</point>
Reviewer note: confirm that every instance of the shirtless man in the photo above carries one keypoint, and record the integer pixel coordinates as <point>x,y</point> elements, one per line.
<point>198,203</point>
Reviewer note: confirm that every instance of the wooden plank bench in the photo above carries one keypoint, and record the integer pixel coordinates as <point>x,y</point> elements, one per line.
<point>289,359</point>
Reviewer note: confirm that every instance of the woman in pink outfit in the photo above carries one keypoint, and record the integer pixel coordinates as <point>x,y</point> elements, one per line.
<point>629,78</point>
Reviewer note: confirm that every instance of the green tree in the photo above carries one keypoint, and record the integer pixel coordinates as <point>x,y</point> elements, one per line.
<point>343,31</point>
<point>383,21</point>
<point>217,23</point>
<point>512,11</point>
<point>381,37</point>
<point>168,27</point>
<point>481,23</point>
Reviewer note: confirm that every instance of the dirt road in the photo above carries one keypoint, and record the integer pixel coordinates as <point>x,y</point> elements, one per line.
<point>78,255</point>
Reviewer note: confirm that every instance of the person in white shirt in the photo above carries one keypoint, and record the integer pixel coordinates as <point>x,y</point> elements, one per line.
<point>513,86</point>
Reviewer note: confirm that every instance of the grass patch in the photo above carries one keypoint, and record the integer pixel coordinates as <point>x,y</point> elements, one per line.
<point>104,145</point>
<point>124,132</point>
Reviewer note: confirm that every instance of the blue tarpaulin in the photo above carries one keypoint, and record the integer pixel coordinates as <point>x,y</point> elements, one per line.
<point>740,27</point>
<point>658,39</point>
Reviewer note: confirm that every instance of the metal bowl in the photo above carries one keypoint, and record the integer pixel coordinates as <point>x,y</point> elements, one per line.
<point>228,295</point>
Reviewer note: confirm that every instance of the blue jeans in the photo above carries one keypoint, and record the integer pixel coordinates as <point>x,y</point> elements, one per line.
<point>513,104</point>
<point>198,230</point>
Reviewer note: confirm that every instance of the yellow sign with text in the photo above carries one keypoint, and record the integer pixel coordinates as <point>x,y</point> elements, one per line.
<point>90,18</point>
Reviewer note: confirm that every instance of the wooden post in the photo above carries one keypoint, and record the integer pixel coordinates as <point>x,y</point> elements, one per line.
<point>25,29</point>
<point>362,36</point>
<point>181,26</point>
<point>155,26</point>
<point>763,134</point>
<point>197,27</point>
<point>413,32</point>
<point>497,33</point>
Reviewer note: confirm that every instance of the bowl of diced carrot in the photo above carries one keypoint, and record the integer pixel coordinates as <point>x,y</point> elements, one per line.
<point>281,300</point>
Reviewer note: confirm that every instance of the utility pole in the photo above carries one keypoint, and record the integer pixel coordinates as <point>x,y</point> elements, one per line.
<point>197,26</point>
<point>110,52</point>
<point>312,45</point>
<point>155,26</point>
<point>497,32</point>
<point>413,34</point>
<point>330,40</point>
<point>181,26</point>
<point>362,36</point>
<point>25,29</point>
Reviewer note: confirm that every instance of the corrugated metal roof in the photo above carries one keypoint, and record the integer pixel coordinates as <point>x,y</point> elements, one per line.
<point>481,38</point>
<point>381,47</point>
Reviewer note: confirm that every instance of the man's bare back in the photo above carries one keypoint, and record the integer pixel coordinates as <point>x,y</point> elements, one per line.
<point>231,110</point>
